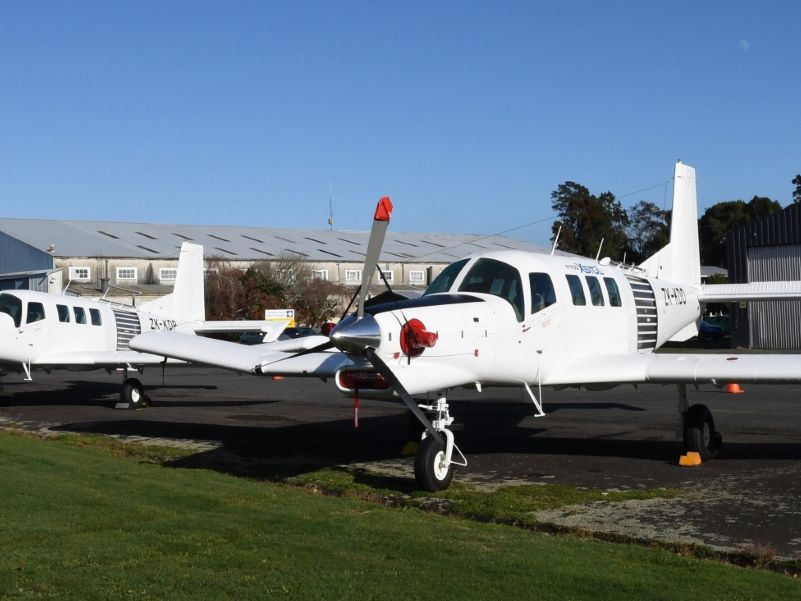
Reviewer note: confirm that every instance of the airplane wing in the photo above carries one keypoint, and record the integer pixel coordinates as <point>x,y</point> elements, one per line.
<point>103,359</point>
<point>678,368</point>
<point>724,293</point>
<point>271,358</point>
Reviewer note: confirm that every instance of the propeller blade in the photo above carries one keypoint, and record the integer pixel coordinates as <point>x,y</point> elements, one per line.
<point>390,377</point>
<point>379,230</point>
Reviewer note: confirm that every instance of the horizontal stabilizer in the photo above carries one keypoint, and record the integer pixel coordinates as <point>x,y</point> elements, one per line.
<point>754,291</point>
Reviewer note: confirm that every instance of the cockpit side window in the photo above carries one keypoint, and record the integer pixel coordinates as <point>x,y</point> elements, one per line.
<point>542,292</point>
<point>497,278</point>
<point>36,312</point>
<point>11,305</point>
<point>444,281</point>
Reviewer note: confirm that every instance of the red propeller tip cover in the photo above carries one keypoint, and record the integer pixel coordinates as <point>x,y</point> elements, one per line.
<point>383,210</point>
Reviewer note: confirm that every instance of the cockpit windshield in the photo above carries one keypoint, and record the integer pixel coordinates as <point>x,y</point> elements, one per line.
<point>444,281</point>
<point>497,278</point>
<point>11,305</point>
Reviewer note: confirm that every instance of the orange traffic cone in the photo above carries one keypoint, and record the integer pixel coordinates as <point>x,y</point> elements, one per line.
<point>734,388</point>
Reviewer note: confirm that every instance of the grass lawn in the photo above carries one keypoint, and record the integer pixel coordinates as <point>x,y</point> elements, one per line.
<point>80,520</point>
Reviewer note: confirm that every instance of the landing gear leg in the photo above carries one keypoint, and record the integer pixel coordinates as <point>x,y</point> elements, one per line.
<point>698,428</point>
<point>434,462</point>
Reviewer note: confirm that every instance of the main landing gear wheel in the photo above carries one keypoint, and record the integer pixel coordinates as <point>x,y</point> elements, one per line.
<point>133,393</point>
<point>430,470</point>
<point>699,432</point>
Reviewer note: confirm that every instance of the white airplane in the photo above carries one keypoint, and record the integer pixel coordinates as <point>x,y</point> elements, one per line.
<point>50,331</point>
<point>520,319</point>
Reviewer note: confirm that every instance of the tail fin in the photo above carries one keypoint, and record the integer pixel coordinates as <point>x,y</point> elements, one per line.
<point>186,302</point>
<point>680,260</point>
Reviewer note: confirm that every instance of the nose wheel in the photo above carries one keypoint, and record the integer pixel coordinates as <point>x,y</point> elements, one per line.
<point>434,462</point>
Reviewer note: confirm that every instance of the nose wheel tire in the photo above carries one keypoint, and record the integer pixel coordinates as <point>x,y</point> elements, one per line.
<point>430,470</point>
<point>699,432</point>
<point>133,393</point>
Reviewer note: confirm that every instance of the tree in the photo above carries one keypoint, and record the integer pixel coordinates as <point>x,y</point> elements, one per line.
<point>720,218</point>
<point>648,230</point>
<point>586,219</point>
<point>286,283</point>
<point>797,191</point>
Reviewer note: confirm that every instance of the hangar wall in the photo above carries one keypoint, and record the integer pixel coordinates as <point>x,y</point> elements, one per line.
<point>766,250</point>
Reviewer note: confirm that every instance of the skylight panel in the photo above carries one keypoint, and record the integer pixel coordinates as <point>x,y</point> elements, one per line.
<point>434,243</point>
<point>350,241</point>
<point>182,236</point>
<point>406,243</point>
<point>296,252</point>
<point>148,236</point>
<point>314,240</point>
<point>150,250</point>
<point>264,252</point>
<point>254,239</point>
<point>286,239</point>
<point>226,251</point>
<point>219,238</point>
<point>107,234</point>
<point>329,253</point>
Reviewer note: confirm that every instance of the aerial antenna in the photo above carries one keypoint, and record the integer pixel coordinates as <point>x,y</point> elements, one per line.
<point>556,240</point>
<point>330,206</point>
<point>600,246</point>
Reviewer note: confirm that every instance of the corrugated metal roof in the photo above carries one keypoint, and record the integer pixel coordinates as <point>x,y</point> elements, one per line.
<point>151,240</point>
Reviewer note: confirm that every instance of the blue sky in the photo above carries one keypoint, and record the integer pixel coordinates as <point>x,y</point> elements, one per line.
<point>467,113</point>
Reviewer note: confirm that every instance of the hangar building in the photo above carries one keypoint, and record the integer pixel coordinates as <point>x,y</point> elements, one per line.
<point>88,256</point>
<point>764,251</point>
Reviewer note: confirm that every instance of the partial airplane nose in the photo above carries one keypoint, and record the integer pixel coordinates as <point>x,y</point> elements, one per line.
<point>353,335</point>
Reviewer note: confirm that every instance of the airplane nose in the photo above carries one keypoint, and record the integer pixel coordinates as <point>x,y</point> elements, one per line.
<point>353,335</point>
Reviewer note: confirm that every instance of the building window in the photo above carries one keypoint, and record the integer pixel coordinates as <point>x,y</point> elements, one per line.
<point>168,274</point>
<point>389,276</point>
<point>126,273</point>
<point>95,315</point>
<point>353,276</point>
<point>80,274</point>
<point>417,277</point>
<point>63,313</point>
<point>319,274</point>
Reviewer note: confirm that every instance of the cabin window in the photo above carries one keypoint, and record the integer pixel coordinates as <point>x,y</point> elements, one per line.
<point>126,274</point>
<point>63,313</point>
<point>95,315</point>
<point>35,312</point>
<point>542,292</point>
<point>497,278</point>
<point>576,289</point>
<point>446,278</point>
<point>80,314</point>
<point>614,292</point>
<point>12,306</point>
<point>596,296</point>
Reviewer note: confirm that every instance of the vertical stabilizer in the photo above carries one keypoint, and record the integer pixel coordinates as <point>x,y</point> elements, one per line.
<point>680,260</point>
<point>186,302</point>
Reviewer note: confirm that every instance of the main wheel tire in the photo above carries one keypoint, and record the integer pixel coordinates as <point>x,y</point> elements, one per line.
<point>133,393</point>
<point>699,432</point>
<point>429,471</point>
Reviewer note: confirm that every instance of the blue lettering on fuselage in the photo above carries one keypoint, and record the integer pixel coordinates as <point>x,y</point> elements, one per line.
<point>589,269</point>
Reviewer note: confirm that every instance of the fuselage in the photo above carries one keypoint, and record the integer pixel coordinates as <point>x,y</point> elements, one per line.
<point>46,330</point>
<point>512,317</point>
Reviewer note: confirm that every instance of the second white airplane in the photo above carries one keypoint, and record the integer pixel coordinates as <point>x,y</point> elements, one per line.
<point>520,319</point>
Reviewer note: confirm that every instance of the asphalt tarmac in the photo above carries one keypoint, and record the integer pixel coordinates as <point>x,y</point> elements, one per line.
<point>625,438</point>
